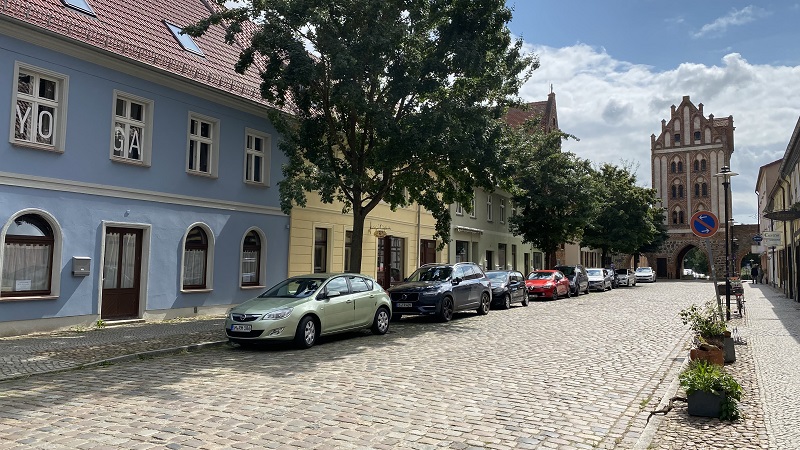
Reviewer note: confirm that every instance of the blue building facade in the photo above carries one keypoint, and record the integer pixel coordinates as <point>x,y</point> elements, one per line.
<point>136,182</point>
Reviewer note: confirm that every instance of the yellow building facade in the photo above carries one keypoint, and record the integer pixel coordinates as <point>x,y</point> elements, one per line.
<point>395,242</point>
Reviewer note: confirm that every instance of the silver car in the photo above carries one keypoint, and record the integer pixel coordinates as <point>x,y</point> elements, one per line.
<point>645,274</point>
<point>303,308</point>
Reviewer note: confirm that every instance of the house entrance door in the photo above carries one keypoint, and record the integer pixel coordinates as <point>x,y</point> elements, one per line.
<point>122,266</point>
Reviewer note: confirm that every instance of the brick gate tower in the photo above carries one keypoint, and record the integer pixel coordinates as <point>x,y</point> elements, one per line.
<point>690,149</point>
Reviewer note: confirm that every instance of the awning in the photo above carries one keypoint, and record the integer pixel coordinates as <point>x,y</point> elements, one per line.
<point>469,230</point>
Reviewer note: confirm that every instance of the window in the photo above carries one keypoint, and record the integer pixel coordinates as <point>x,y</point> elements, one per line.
<point>705,189</point>
<point>202,156</point>
<point>674,217</point>
<point>472,210</point>
<point>359,284</point>
<point>677,138</point>
<point>256,160</point>
<point>185,40</point>
<point>680,191</point>
<point>459,209</point>
<point>338,284</point>
<point>489,215</point>
<point>28,257</point>
<point>697,136</point>
<point>696,165</point>
<point>462,248</point>
<point>696,190</point>
<point>703,164</point>
<point>673,167</point>
<point>130,140</point>
<point>502,210</point>
<point>195,259</point>
<point>348,249</point>
<point>680,166</point>
<point>320,250</point>
<point>80,5</point>
<point>514,256</point>
<point>680,217</point>
<point>674,191</point>
<point>251,259</point>
<point>39,108</point>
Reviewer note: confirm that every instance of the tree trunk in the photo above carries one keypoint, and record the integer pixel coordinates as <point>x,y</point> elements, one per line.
<point>357,242</point>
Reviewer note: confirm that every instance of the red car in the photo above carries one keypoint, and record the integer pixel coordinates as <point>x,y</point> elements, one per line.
<point>547,284</point>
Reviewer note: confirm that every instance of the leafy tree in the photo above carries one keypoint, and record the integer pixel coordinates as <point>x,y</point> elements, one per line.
<point>696,260</point>
<point>549,188</point>
<point>394,100</point>
<point>658,219</point>
<point>623,223</point>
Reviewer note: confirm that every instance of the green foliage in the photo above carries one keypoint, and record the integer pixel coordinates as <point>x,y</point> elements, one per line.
<point>705,321</point>
<point>390,100</point>
<point>100,323</point>
<point>695,259</point>
<point>625,220</point>
<point>549,188</point>
<point>703,376</point>
<point>658,220</point>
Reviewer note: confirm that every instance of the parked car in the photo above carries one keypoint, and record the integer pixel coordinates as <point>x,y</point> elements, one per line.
<point>508,286</point>
<point>599,279</point>
<point>303,308</point>
<point>578,278</point>
<point>442,289</point>
<point>626,277</point>
<point>613,275</point>
<point>547,284</point>
<point>645,274</point>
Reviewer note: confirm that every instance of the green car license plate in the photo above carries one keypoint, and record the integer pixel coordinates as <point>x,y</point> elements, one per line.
<point>241,327</point>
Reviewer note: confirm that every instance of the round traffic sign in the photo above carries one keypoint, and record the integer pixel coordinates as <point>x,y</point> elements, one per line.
<point>758,238</point>
<point>704,224</point>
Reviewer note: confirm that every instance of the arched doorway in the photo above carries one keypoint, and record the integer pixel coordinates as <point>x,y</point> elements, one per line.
<point>691,258</point>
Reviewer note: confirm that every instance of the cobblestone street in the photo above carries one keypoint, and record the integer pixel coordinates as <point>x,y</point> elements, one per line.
<point>575,373</point>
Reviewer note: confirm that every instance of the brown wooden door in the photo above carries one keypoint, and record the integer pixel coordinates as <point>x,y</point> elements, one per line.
<point>427,251</point>
<point>122,265</point>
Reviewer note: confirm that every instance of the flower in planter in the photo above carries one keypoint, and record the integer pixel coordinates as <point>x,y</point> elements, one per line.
<point>703,377</point>
<point>706,322</point>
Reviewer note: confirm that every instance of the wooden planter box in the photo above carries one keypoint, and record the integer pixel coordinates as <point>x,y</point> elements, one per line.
<point>714,356</point>
<point>705,404</point>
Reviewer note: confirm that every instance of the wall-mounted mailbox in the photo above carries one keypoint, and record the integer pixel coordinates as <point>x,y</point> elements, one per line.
<point>81,266</point>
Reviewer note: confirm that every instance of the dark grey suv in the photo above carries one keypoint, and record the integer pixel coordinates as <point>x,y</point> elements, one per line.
<point>578,278</point>
<point>441,290</point>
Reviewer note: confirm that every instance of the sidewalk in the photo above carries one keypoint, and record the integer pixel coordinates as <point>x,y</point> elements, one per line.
<point>767,366</point>
<point>22,356</point>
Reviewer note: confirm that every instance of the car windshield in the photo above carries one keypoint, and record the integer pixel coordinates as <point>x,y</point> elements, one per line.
<point>436,273</point>
<point>540,275</point>
<point>567,270</point>
<point>622,271</point>
<point>644,269</point>
<point>294,288</point>
<point>497,276</point>
<point>595,272</point>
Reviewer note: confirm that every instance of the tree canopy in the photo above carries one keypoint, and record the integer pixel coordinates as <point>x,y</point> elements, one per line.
<point>394,100</point>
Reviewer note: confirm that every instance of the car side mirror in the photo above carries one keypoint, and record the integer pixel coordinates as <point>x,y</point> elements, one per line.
<point>332,294</point>
<point>456,281</point>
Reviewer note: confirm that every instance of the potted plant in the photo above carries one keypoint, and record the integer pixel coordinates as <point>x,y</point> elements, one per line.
<point>711,333</point>
<point>710,391</point>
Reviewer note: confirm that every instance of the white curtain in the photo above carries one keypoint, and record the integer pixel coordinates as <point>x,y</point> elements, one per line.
<point>27,267</point>
<point>249,267</point>
<point>193,267</point>
<point>111,261</point>
<point>128,260</point>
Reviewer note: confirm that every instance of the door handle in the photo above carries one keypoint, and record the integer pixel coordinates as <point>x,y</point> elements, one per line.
<point>348,301</point>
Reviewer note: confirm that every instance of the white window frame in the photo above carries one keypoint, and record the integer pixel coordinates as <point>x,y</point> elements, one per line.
<point>209,258</point>
<point>262,268</point>
<point>489,215</point>
<point>459,209</point>
<point>250,135</point>
<point>502,210</point>
<point>55,276</point>
<point>59,121</point>
<point>213,141</point>
<point>145,140</point>
<point>473,212</point>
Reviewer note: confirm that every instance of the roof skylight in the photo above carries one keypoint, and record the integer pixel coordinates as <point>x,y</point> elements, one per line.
<point>80,5</point>
<point>185,40</point>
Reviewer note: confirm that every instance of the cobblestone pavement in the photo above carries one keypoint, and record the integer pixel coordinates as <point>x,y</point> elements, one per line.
<point>575,373</point>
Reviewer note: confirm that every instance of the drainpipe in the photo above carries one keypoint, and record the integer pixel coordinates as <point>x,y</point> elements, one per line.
<point>419,235</point>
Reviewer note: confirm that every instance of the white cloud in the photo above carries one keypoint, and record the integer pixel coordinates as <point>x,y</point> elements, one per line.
<point>740,17</point>
<point>613,107</point>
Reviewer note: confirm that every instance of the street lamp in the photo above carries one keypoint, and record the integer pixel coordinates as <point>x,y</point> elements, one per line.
<point>726,174</point>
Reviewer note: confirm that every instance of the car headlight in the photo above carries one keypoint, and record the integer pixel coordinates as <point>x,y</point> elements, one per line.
<point>277,314</point>
<point>547,285</point>
<point>432,293</point>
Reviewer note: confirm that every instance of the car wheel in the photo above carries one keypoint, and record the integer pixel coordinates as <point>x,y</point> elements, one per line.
<point>587,289</point>
<point>486,304</point>
<point>507,301</point>
<point>577,292</point>
<point>555,293</point>
<point>380,324</point>
<point>306,335</point>
<point>525,300</point>
<point>569,293</point>
<point>446,311</point>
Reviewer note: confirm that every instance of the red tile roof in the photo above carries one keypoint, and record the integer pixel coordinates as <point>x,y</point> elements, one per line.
<point>135,30</point>
<point>517,116</point>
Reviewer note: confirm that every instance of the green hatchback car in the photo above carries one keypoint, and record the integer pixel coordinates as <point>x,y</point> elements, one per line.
<point>303,308</point>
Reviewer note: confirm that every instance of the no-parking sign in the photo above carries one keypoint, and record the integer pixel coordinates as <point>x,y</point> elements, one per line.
<point>704,224</point>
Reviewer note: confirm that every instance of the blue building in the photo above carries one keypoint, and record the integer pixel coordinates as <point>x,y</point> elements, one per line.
<point>139,176</point>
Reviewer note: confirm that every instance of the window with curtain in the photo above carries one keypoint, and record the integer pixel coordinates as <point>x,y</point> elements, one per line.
<point>195,253</point>
<point>251,259</point>
<point>28,257</point>
<point>320,250</point>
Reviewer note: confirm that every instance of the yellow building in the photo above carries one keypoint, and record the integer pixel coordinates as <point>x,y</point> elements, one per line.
<point>395,242</point>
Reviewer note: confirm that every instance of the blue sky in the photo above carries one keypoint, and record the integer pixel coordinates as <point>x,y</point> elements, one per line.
<point>616,66</point>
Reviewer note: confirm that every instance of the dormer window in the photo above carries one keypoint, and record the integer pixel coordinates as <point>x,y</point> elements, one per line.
<point>80,5</point>
<point>185,40</point>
